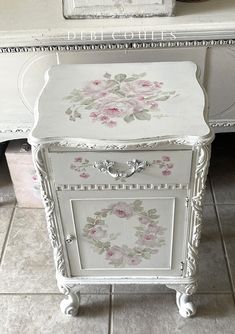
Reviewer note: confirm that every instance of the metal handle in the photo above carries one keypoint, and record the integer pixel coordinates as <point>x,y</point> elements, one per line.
<point>134,166</point>
<point>69,239</point>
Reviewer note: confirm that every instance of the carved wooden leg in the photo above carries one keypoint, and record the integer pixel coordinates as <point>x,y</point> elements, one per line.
<point>183,293</point>
<point>186,308</point>
<point>70,304</point>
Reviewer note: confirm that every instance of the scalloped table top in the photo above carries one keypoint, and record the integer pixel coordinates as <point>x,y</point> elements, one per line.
<point>121,102</point>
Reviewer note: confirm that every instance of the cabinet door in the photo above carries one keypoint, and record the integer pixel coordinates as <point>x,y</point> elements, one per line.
<point>124,232</point>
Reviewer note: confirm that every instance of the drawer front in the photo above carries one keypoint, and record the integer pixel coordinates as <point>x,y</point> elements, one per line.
<point>124,233</point>
<point>159,167</point>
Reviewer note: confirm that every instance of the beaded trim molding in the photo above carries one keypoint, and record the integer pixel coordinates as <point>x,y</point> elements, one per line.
<point>118,46</point>
<point>74,187</point>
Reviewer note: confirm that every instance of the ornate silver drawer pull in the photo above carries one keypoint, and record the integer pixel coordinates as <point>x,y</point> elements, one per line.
<point>135,166</point>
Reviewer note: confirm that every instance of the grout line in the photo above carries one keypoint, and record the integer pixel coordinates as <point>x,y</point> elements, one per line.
<point>225,254</point>
<point>172,293</point>
<point>111,296</point>
<point>225,203</point>
<point>226,257</point>
<point>7,235</point>
<point>30,294</point>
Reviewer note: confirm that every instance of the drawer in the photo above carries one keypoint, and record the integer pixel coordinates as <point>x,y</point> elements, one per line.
<point>124,232</point>
<point>152,167</point>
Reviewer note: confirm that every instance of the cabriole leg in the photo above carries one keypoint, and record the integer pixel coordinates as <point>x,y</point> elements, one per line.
<point>70,304</point>
<point>183,294</point>
<point>186,307</point>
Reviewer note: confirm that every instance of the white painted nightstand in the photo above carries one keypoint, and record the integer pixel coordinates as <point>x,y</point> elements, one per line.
<point>122,151</point>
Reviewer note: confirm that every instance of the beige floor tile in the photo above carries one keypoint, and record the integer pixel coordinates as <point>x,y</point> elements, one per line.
<point>213,274</point>
<point>28,262</point>
<point>141,288</point>
<point>40,314</point>
<point>227,219</point>
<point>5,217</point>
<point>157,314</point>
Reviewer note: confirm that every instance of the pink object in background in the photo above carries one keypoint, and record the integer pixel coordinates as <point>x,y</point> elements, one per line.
<point>23,175</point>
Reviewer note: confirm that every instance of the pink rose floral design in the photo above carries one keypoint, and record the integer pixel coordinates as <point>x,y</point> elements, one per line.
<point>143,87</point>
<point>119,97</point>
<point>97,89</point>
<point>115,255</point>
<point>84,175</point>
<point>122,210</point>
<point>153,228</point>
<point>165,164</point>
<point>150,235</point>
<point>80,165</point>
<point>166,172</point>
<point>96,232</point>
<point>133,260</point>
<point>147,239</point>
<point>144,220</point>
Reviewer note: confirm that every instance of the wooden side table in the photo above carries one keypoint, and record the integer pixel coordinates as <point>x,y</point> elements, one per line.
<point>122,151</point>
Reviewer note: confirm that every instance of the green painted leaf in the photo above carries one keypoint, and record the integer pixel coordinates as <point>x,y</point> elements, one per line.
<point>162,98</point>
<point>119,93</point>
<point>142,115</point>
<point>89,107</point>
<point>120,77</point>
<point>129,118</point>
<point>147,256</point>
<point>87,102</point>
<point>137,202</point>
<point>71,118</point>
<point>130,79</point>
<point>90,220</point>
<point>68,111</point>
<point>152,211</point>
<point>107,75</point>
<point>77,114</point>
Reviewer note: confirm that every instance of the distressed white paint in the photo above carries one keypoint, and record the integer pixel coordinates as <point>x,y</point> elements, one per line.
<point>29,24</point>
<point>63,205</point>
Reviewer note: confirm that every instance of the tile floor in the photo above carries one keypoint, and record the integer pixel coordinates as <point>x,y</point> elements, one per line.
<point>29,299</point>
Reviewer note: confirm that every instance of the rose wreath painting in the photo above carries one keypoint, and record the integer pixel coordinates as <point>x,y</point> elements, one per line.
<point>119,97</point>
<point>149,234</point>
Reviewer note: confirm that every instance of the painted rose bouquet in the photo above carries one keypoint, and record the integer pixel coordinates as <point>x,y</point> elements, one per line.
<point>117,97</point>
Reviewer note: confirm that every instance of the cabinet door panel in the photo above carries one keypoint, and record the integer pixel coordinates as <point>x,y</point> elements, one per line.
<point>115,232</point>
